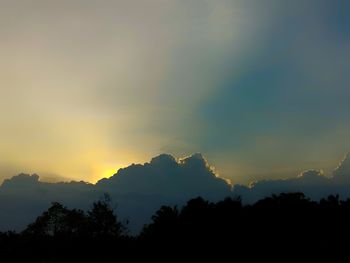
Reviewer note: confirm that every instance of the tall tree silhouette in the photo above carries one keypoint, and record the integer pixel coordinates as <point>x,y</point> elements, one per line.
<point>102,220</point>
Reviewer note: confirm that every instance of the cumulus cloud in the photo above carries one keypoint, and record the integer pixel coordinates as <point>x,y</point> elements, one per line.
<point>24,197</point>
<point>25,183</point>
<point>313,183</point>
<point>140,189</point>
<point>164,175</point>
<point>342,173</point>
<point>310,182</point>
<point>114,71</point>
<point>274,97</point>
<point>253,74</point>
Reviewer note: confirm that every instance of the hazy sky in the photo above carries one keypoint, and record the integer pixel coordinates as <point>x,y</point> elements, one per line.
<point>260,87</point>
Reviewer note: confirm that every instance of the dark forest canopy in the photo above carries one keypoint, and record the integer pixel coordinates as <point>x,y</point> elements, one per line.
<point>279,224</point>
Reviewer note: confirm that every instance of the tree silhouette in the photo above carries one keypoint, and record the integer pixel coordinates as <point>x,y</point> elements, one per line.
<point>102,220</point>
<point>286,224</point>
<point>165,224</point>
<point>58,220</point>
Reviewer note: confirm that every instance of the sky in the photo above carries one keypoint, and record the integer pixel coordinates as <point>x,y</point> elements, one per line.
<point>260,88</point>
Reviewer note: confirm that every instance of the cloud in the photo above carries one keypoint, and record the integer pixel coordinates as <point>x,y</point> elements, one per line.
<point>140,189</point>
<point>28,183</point>
<point>114,72</point>
<point>287,92</point>
<point>129,78</point>
<point>341,174</point>
<point>313,183</point>
<point>24,197</point>
<point>164,175</point>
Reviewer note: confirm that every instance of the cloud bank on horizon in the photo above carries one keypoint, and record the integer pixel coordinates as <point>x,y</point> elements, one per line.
<point>260,87</point>
<point>139,190</point>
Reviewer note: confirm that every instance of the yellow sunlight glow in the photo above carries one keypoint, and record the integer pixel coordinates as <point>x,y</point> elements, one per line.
<point>109,172</point>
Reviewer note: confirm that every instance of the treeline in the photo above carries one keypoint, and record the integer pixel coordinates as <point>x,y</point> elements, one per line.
<point>285,224</point>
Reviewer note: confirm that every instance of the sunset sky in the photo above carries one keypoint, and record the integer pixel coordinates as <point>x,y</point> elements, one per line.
<point>260,87</point>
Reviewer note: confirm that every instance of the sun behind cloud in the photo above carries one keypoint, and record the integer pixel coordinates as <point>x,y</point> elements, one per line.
<point>109,172</point>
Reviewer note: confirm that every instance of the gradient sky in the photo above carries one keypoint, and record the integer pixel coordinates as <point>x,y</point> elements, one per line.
<point>261,88</point>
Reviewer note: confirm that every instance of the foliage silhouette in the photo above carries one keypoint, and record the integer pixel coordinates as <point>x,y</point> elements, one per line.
<point>102,222</point>
<point>286,224</point>
<point>58,220</point>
